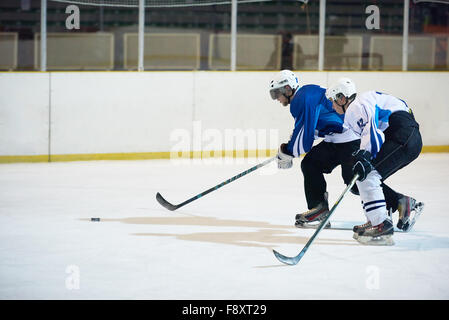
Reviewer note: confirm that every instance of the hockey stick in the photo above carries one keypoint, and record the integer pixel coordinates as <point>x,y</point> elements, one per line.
<point>294,260</point>
<point>172,207</point>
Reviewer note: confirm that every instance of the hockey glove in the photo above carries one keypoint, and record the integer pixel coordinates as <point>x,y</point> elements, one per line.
<point>285,161</point>
<point>362,164</point>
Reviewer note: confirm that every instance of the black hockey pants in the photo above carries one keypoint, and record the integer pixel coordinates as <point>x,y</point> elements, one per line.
<point>403,144</point>
<point>323,158</point>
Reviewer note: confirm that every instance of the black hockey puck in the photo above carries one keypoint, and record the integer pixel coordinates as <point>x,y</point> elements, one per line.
<point>94,219</point>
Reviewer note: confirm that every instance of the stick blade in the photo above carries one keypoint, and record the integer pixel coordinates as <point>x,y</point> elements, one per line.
<point>165,203</point>
<point>291,261</point>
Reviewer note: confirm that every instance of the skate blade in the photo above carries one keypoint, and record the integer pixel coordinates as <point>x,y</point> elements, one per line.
<point>311,225</point>
<point>375,241</point>
<point>417,210</point>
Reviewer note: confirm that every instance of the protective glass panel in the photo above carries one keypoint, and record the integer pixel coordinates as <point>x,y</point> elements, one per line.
<point>8,50</point>
<point>429,32</point>
<point>169,51</point>
<point>19,20</point>
<point>356,33</point>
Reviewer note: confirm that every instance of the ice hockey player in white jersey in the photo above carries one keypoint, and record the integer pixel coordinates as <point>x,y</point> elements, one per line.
<point>390,140</point>
<point>314,118</point>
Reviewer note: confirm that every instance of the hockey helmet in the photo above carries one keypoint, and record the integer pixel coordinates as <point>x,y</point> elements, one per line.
<point>344,87</point>
<point>282,79</point>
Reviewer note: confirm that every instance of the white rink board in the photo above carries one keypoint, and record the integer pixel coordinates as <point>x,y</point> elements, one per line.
<point>118,112</point>
<point>129,112</point>
<point>24,113</point>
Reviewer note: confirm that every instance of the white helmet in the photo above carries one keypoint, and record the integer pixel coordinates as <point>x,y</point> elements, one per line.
<point>344,86</point>
<point>282,79</point>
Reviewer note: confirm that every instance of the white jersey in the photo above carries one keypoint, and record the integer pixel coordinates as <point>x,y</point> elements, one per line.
<point>368,117</point>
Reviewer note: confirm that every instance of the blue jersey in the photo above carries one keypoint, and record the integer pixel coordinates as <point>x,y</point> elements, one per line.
<point>314,117</point>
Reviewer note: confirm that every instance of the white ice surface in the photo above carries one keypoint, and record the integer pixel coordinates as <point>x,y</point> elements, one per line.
<point>218,247</point>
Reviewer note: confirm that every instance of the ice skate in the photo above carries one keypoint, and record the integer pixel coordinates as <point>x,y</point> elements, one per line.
<point>380,235</point>
<point>409,211</point>
<point>312,217</point>
<point>359,228</point>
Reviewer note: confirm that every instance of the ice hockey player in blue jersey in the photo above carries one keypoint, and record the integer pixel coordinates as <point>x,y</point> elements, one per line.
<point>314,118</point>
<point>390,140</point>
